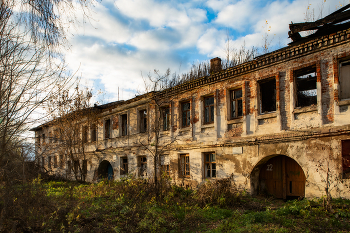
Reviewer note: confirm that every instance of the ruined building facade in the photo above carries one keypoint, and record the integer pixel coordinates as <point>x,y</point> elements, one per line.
<point>278,124</point>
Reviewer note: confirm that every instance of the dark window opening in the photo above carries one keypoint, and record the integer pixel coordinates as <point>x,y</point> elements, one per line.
<point>43,139</point>
<point>124,125</point>
<point>55,161</point>
<point>85,134</point>
<point>49,162</point>
<point>76,166</point>
<point>236,103</point>
<point>93,133</point>
<point>143,121</point>
<point>61,161</point>
<point>209,165</point>
<point>345,147</point>
<point>186,114</point>
<point>184,165</point>
<point>142,164</point>
<point>123,166</point>
<point>268,96</point>
<point>344,80</point>
<point>43,162</point>
<point>306,87</point>
<point>209,110</point>
<point>84,167</point>
<point>166,118</point>
<point>107,128</point>
<point>69,167</point>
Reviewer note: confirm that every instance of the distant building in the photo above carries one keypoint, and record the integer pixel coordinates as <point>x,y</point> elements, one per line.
<point>277,123</point>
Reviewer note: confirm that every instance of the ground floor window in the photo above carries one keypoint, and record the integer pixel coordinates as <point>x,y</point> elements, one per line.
<point>85,167</point>
<point>69,164</point>
<point>123,165</point>
<point>142,164</point>
<point>164,165</point>
<point>184,165</point>
<point>346,158</point>
<point>49,162</point>
<point>209,165</point>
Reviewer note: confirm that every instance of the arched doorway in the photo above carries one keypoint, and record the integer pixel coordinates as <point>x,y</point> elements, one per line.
<point>282,177</point>
<point>105,170</point>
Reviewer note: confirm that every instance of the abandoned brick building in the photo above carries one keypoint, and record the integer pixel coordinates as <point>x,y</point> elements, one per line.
<point>279,123</point>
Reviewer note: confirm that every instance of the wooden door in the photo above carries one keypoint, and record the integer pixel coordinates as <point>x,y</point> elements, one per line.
<point>281,176</point>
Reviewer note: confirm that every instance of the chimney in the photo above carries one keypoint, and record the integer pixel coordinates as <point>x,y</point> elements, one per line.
<point>215,65</point>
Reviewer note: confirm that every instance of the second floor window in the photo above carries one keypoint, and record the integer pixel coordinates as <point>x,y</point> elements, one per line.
<point>107,128</point>
<point>143,121</point>
<point>166,118</point>
<point>267,95</point>
<point>186,114</point>
<point>236,104</point>
<point>306,86</point>
<point>344,80</point>
<point>124,124</point>
<point>209,110</point>
<point>93,133</point>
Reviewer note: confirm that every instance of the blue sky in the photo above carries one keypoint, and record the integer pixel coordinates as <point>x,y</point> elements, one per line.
<point>125,39</point>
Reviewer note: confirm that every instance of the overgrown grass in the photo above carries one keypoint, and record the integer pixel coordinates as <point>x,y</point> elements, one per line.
<point>130,205</point>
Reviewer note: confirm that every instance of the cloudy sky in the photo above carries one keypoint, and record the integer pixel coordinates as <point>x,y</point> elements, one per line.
<point>125,39</point>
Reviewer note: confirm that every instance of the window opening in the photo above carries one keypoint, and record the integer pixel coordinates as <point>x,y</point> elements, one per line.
<point>69,167</point>
<point>185,165</point>
<point>85,167</point>
<point>55,161</point>
<point>306,86</point>
<point>186,114</point>
<point>142,164</point>
<point>76,166</point>
<point>344,80</point>
<point>124,125</point>
<point>209,110</point>
<point>93,133</point>
<point>85,134</point>
<point>123,166</point>
<point>346,159</point>
<point>166,118</point>
<point>49,162</point>
<point>143,121</point>
<point>165,167</point>
<point>209,165</point>
<point>107,128</point>
<point>43,162</point>
<point>236,103</point>
<point>267,95</point>
<point>61,161</point>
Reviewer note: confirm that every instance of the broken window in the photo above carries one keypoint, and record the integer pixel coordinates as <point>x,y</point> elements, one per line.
<point>124,125</point>
<point>345,146</point>
<point>142,164</point>
<point>267,95</point>
<point>123,165</point>
<point>85,134</point>
<point>184,165</point>
<point>344,80</point>
<point>143,121</point>
<point>208,110</point>
<point>306,86</point>
<point>166,118</point>
<point>164,165</point>
<point>93,133</point>
<point>55,161</point>
<point>84,167</point>
<point>186,114</point>
<point>107,128</point>
<point>209,165</point>
<point>236,103</point>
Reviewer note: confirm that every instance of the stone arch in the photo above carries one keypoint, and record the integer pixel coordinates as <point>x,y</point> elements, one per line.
<point>278,175</point>
<point>105,170</point>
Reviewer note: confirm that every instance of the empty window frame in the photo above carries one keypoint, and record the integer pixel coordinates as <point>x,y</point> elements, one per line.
<point>85,134</point>
<point>142,165</point>
<point>345,147</point>
<point>124,124</point>
<point>49,162</point>
<point>123,165</point>
<point>209,110</point>
<point>186,113</point>
<point>164,165</point>
<point>76,165</point>
<point>107,128</point>
<point>166,118</point>
<point>209,165</point>
<point>143,121</point>
<point>236,104</point>
<point>84,167</point>
<point>184,165</point>
<point>93,132</point>
<point>344,80</point>
<point>61,161</point>
<point>306,86</point>
<point>267,95</point>
<point>55,161</point>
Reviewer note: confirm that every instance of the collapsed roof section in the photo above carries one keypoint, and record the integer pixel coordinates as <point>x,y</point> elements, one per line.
<point>336,21</point>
